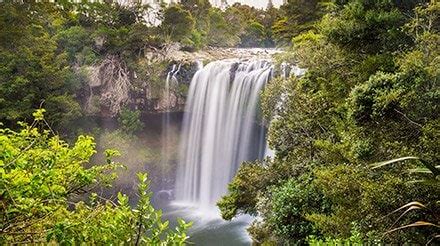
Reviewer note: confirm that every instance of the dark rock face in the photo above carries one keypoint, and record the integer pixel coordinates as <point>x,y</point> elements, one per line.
<point>140,93</point>
<point>113,86</point>
<point>187,72</point>
<point>233,70</point>
<point>180,75</point>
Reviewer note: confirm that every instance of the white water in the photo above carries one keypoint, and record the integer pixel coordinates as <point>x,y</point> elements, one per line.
<point>171,81</point>
<point>220,129</point>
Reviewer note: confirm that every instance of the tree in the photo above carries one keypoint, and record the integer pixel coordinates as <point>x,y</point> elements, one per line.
<point>73,40</point>
<point>43,185</point>
<point>368,27</point>
<point>369,94</point>
<point>177,23</point>
<point>130,121</point>
<point>33,69</point>
<point>297,16</point>
<point>221,33</point>
<point>269,5</point>
<point>254,35</point>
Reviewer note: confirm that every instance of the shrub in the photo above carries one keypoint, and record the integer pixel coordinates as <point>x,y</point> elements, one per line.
<point>129,120</point>
<point>42,186</point>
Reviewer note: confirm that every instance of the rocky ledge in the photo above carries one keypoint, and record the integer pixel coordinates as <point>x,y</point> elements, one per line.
<point>211,53</point>
<point>113,86</point>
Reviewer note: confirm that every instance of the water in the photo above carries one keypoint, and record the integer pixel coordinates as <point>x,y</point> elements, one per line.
<point>171,81</point>
<point>220,129</point>
<point>210,229</point>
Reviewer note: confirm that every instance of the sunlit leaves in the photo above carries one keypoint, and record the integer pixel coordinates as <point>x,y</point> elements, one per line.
<point>42,182</point>
<point>370,94</point>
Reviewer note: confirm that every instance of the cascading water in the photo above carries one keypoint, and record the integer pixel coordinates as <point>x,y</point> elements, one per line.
<point>171,80</point>
<point>287,70</point>
<point>220,128</point>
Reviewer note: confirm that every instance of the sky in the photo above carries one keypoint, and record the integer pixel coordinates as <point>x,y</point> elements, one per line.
<point>255,3</point>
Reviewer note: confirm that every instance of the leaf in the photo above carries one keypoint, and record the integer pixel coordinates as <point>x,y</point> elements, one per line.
<point>431,167</point>
<point>384,163</point>
<point>411,204</point>
<point>39,114</point>
<point>415,224</point>
<point>420,170</point>
<point>412,207</point>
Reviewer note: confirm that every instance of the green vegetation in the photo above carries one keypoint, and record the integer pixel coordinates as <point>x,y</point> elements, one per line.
<point>33,70</point>
<point>43,185</point>
<point>130,121</point>
<point>96,58</point>
<point>238,25</point>
<point>46,56</point>
<point>370,94</point>
<point>178,23</point>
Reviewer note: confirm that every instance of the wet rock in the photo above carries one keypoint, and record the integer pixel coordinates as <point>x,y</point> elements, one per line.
<point>106,95</point>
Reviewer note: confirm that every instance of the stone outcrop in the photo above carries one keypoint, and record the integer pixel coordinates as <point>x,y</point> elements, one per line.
<point>212,53</point>
<point>111,86</point>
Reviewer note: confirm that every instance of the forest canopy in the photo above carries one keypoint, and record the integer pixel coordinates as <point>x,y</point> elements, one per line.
<point>370,94</point>
<point>356,137</point>
<point>44,181</point>
<point>46,58</point>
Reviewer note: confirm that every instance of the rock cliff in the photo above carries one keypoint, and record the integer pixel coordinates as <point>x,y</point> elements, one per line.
<point>157,83</point>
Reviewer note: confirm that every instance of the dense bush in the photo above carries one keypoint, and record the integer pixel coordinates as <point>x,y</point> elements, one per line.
<point>33,69</point>
<point>177,23</point>
<point>370,94</point>
<point>43,187</point>
<point>289,205</point>
<point>47,50</point>
<point>130,121</point>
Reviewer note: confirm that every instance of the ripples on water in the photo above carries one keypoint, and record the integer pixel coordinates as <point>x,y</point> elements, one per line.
<point>208,227</point>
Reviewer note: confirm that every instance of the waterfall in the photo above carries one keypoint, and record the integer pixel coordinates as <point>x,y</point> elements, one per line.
<point>220,129</point>
<point>171,80</point>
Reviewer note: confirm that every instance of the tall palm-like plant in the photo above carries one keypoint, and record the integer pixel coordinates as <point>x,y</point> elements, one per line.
<point>432,173</point>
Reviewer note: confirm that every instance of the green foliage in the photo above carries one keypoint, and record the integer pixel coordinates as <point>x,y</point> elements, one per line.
<point>46,47</point>
<point>221,33</point>
<point>287,213</point>
<point>370,94</point>
<point>130,121</point>
<point>429,176</point>
<point>254,35</point>
<point>40,172</point>
<point>368,26</point>
<point>118,223</point>
<point>358,195</point>
<point>297,16</point>
<point>243,192</point>
<point>271,96</point>
<point>252,26</point>
<point>43,179</point>
<point>237,25</point>
<point>73,40</point>
<point>33,69</point>
<point>372,100</point>
<point>54,41</point>
<point>177,23</point>
<point>354,239</point>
